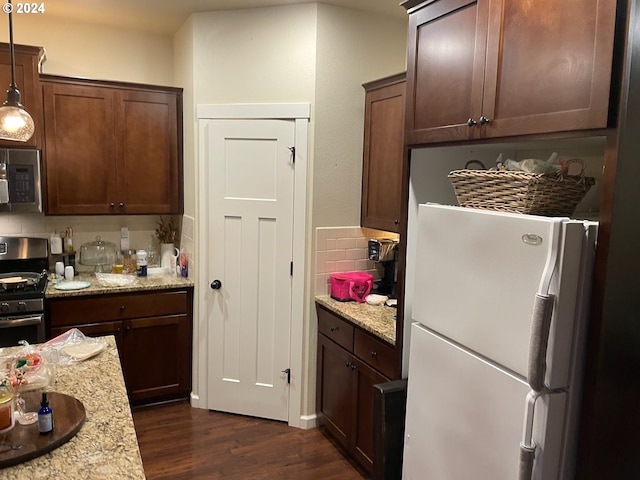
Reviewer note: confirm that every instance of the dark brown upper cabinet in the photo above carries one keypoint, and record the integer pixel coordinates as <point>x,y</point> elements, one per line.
<point>383,153</point>
<point>112,148</point>
<point>499,68</point>
<point>27,60</point>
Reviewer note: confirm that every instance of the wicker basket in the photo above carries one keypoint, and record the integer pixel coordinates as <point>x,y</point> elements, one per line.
<point>521,192</point>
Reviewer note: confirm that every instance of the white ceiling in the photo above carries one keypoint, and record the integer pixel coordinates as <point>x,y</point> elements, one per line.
<point>166,16</point>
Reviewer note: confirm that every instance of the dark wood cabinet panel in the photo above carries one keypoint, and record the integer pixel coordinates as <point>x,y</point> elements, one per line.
<point>363,434</point>
<point>123,157</point>
<point>101,308</point>
<point>27,61</point>
<point>80,172</point>
<point>153,332</point>
<point>499,68</point>
<point>383,153</point>
<point>562,83</point>
<point>334,392</point>
<point>344,389</point>
<point>445,68</point>
<point>376,353</point>
<point>147,150</point>
<point>336,329</point>
<point>157,356</point>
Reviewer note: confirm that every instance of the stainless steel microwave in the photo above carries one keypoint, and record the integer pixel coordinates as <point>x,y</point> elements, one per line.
<point>20,187</point>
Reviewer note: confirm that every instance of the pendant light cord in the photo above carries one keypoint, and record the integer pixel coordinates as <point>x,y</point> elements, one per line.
<point>12,52</point>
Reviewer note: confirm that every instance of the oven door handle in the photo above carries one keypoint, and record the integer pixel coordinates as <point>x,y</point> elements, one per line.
<point>20,322</point>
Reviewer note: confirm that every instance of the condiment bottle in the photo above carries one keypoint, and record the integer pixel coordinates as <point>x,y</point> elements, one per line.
<point>142,262</point>
<point>45,416</point>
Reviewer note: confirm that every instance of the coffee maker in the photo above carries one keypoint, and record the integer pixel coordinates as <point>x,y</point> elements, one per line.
<point>383,251</point>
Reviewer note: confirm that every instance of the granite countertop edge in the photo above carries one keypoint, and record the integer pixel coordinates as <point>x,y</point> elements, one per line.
<point>149,283</point>
<point>106,447</point>
<point>377,320</point>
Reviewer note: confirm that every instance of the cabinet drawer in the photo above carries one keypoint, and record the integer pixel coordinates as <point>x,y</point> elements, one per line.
<point>375,353</point>
<point>102,308</point>
<point>333,327</point>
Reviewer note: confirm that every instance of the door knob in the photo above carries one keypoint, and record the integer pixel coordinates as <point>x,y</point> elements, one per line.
<point>216,284</point>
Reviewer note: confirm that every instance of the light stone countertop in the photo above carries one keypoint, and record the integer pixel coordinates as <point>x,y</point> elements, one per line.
<point>377,320</point>
<point>150,282</point>
<point>106,447</point>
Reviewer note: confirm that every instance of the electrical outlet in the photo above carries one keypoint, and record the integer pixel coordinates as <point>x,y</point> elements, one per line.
<point>124,232</point>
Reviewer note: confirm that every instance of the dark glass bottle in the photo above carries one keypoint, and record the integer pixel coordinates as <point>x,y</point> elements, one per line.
<point>45,416</point>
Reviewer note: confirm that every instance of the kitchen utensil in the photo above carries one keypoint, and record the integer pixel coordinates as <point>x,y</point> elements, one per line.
<point>99,254</point>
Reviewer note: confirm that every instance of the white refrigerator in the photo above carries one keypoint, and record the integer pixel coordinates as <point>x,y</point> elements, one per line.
<point>499,312</point>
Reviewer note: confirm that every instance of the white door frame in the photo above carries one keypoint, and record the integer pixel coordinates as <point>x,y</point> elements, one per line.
<point>300,112</point>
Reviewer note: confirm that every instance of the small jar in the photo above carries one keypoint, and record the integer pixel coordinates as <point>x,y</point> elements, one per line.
<point>7,420</point>
<point>129,264</point>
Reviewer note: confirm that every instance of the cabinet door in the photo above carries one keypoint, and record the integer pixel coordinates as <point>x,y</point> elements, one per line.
<point>27,81</point>
<point>157,357</point>
<point>382,157</point>
<point>548,66</point>
<point>362,438</point>
<point>80,171</point>
<point>445,70</point>
<point>149,177</point>
<point>334,391</point>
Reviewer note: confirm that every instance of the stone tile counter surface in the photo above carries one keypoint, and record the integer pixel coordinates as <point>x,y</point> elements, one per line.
<point>377,320</point>
<point>150,282</point>
<point>106,446</point>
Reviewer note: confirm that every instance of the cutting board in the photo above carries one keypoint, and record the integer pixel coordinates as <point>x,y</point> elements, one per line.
<point>24,442</point>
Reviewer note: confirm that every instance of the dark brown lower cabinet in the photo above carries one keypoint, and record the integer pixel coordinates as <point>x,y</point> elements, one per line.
<point>153,332</point>
<point>344,392</point>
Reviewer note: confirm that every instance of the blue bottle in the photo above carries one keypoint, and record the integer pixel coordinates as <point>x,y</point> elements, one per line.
<point>45,416</point>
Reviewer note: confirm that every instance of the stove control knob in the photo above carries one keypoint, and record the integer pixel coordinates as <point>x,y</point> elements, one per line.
<point>4,307</point>
<point>22,306</point>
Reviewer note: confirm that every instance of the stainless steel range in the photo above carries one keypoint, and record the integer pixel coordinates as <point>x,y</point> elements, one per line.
<point>23,281</point>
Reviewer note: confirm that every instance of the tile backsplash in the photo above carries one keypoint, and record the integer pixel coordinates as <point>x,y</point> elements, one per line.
<point>86,228</point>
<point>343,249</point>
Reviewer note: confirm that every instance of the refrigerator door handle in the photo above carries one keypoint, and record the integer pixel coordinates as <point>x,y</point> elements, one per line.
<point>542,312</point>
<point>527,448</point>
<point>539,340</point>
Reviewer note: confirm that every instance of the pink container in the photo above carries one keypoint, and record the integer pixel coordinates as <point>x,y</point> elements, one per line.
<point>348,286</point>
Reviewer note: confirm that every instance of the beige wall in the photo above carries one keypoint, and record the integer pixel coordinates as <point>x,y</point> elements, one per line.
<point>95,51</point>
<point>353,48</point>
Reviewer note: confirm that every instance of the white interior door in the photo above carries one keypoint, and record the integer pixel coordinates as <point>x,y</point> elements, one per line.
<point>249,251</point>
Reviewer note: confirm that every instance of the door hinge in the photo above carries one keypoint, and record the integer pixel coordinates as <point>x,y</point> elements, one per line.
<point>287,371</point>
<point>293,154</point>
<point>291,269</point>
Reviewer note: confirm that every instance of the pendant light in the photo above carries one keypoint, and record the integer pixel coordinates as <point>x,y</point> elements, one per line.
<point>15,122</point>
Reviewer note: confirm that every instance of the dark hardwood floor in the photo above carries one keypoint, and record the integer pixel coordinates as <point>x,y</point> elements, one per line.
<point>180,442</point>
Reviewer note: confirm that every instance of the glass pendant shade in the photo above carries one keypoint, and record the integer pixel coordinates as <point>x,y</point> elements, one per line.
<point>15,122</point>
